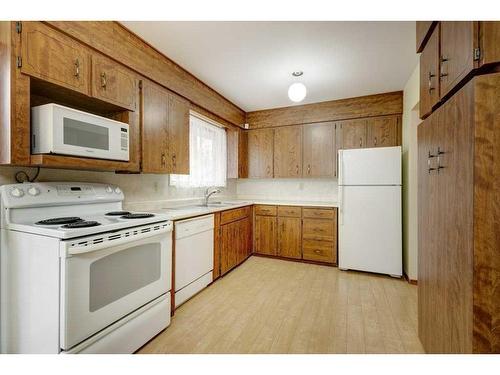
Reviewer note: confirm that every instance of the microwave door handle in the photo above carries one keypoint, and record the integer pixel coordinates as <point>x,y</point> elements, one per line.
<point>108,244</point>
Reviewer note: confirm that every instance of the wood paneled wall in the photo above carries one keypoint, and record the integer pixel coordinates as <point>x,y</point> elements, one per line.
<point>343,109</point>
<point>119,43</point>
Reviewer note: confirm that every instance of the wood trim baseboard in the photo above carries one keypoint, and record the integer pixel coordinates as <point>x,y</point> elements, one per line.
<point>410,281</point>
<point>295,260</point>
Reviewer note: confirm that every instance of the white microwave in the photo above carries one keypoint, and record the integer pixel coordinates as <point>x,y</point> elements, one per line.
<point>56,129</point>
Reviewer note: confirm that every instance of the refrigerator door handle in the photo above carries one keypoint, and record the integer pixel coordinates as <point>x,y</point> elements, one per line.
<point>340,168</point>
<point>341,209</point>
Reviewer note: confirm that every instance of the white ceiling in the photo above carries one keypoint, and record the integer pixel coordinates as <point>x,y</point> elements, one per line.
<point>250,63</point>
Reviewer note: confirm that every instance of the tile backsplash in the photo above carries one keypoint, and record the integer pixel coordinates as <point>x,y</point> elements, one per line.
<point>136,187</point>
<point>144,188</point>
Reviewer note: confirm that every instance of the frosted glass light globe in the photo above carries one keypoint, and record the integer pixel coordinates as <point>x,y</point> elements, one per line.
<point>297,92</point>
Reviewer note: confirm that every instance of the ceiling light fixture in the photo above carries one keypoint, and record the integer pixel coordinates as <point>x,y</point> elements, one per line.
<point>297,91</point>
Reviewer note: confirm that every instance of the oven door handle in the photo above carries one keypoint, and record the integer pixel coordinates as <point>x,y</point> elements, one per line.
<point>113,243</point>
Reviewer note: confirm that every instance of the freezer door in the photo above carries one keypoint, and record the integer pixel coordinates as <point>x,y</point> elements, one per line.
<point>370,237</point>
<point>370,166</point>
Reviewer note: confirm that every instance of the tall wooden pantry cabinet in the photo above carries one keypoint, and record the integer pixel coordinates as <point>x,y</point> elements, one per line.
<point>459,221</point>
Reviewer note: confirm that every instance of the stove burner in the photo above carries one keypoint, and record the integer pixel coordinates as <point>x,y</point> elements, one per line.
<point>81,224</point>
<point>137,216</point>
<point>117,213</point>
<point>59,221</point>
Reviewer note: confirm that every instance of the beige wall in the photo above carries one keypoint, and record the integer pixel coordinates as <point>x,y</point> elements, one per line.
<point>136,187</point>
<point>305,189</point>
<point>411,119</point>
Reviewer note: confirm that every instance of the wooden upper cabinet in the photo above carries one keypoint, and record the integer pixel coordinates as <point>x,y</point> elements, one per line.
<point>352,134</point>
<point>178,135</point>
<point>319,150</point>
<point>237,153</point>
<point>290,237</point>
<point>154,128</point>
<point>382,131</point>
<point>260,153</point>
<point>288,151</point>
<point>265,235</point>
<point>423,32</point>
<point>429,74</point>
<point>165,131</point>
<point>489,37</point>
<point>113,83</point>
<point>54,57</point>
<point>458,41</point>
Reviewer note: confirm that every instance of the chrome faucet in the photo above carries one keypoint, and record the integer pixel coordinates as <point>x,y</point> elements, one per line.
<point>208,193</point>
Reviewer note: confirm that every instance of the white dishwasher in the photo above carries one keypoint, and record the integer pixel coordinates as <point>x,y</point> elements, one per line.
<point>194,256</point>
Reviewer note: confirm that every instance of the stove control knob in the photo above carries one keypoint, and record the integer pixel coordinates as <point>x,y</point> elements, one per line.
<point>109,189</point>
<point>17,193</point>
<point>34,191</point>
<point>118,190</point>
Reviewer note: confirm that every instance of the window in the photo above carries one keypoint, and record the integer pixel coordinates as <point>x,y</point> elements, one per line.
<point>207,156</point>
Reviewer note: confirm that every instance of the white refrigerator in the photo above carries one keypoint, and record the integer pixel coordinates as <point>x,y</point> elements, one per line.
<point>370,229</point>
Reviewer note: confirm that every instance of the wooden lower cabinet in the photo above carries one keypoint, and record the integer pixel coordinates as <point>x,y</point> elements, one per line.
<point>294,232</point>
<point>290,237</point>
<point>235,241</point>
<point>458,258</point>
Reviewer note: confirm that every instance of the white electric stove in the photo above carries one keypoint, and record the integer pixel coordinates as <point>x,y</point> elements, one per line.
<point>78,273</point>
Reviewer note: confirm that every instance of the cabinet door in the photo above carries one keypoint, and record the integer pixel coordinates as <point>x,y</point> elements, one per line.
<point>427,260</point>
<point>54,57</point>
<point>260,153</point>
<point>429,74</point>
<point>489,35</point>
<point>352,134</point>
<point>265,235</point>
<point>455,229</point>
<point>423,29</point>
<point>154,128</point>
<point>230,245</point>
<point>237,151</point>
<point>178,135</point>
<point>113,83</point>
<point>288,151</point>
<point>290,237</point>
<point>458,40</point>
<point>382,131</point>
<point>319,150</point>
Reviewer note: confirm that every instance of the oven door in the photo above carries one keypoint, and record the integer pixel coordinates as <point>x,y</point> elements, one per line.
<point>102,283</point>
<point>85,134</point>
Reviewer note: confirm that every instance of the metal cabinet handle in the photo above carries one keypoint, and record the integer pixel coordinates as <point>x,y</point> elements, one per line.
<point>297,169</point>
<point>317,251</point>
<point>163,159</point>
<point>268,170</point>
<point>104,81</point>
<point>174,160</point>
<point>430,81</point>
<point>439,153</point>
<point>429,157</point>
<point>375,141</point>
<point>309,169</point>
<point>360,142</point>
<point>443,60</point>
<point>77,68</point>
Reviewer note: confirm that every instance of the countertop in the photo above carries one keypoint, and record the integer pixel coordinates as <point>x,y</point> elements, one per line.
<point>185,212</point>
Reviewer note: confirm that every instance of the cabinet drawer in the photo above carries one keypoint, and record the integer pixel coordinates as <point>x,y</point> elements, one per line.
<point>265,210</point>
<point>289,211</point>
<point>233,215</point>
<point>320,251</point>
<point>318,229</point>
<point>318,213</point>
